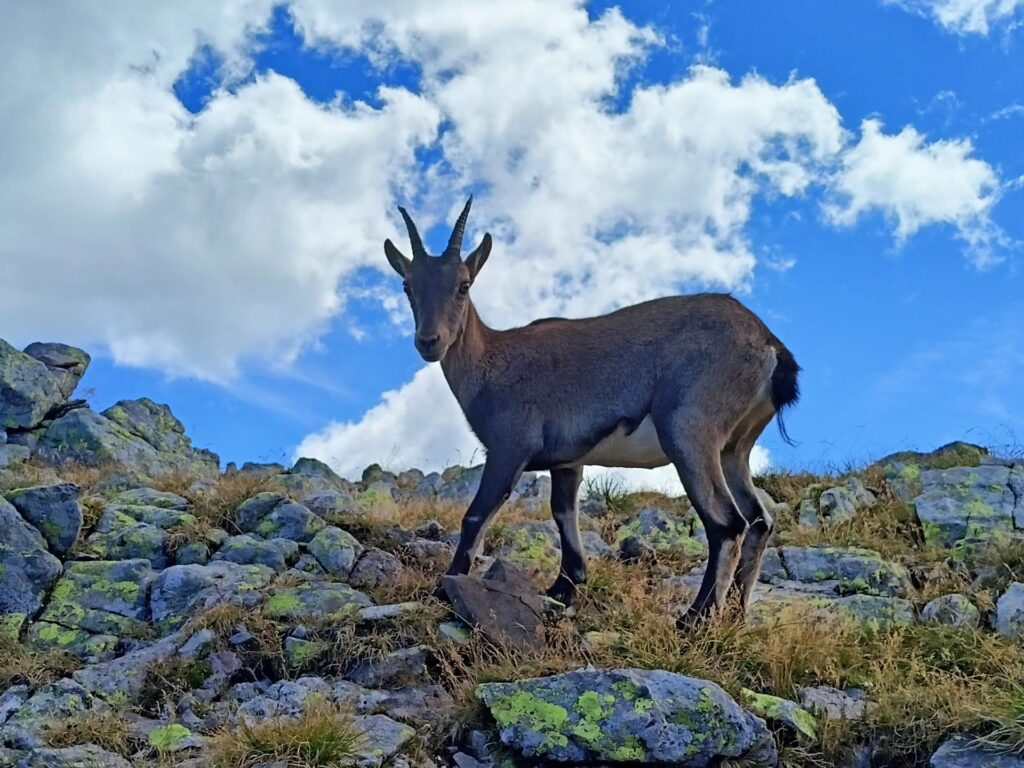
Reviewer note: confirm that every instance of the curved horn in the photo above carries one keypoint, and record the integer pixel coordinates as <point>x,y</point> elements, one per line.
<point>454,249</point>
<point>414,236</point>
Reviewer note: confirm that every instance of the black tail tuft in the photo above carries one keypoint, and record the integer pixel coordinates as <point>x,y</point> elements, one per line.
<point>785,387</point>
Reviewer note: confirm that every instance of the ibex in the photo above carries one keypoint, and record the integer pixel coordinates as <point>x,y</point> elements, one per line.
<point>691,380</point>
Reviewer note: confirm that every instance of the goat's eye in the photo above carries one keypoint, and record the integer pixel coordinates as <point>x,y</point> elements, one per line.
<point>464,288</point>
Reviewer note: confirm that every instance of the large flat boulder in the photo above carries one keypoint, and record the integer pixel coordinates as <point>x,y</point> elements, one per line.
<point>626,715</point>
<point>53,510</point>
<point>28,391</point>
<point>65,363</point>
<point>969,504</point>
<point>27,569</point>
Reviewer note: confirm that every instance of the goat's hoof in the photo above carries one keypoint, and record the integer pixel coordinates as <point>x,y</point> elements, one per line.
<point>440,595</point>
<point>563,591</point>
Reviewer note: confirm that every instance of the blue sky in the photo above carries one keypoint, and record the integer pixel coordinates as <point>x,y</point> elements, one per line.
<point>909,335</point>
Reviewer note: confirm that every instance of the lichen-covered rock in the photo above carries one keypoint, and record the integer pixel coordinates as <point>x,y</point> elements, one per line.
<point>66,364</point>
<point>28,390</point>
<point>1009,620</point>
<point>139,435</point>
<point>382,739</point>
<point>336,550</point>
<point>848,569</point>
<point>532,546</point>
<point>90,648</point>
<point>315,599</point>
<point>652,529</point>
<point>783,711</point>
<point>122,679</point>
<point>902,471</point>
<point>835,704</point>
<point>966,504</point>
<point>375,568</point>
<point>183,589</point>
<point>27,569</point>
<point>331,504</point>
<point>391,670</point>
<point>62,698</point>
<point>308,476</point>
<point>273,516</point>
<point>247,550</point>
<point>954,609</point>
<point>81,756</point>
<point>53,510</point>
<point>149,497</point>
<point>960,752</point>
<point>102,597</point>
<point>625,715</point>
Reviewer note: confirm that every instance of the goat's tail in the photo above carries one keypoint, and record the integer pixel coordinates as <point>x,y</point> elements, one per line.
<point>785,387</point>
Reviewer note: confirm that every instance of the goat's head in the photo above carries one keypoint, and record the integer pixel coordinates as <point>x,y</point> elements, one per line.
<point>438,287</point>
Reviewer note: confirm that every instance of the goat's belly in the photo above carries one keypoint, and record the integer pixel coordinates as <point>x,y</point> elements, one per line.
<point>640,448</point>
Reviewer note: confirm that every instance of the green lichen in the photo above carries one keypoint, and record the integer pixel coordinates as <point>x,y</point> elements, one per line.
<point>643,705</point>
<point>523,708</point>
<point>630,750</point>
<point>57,635</point>
<point>10,625</point>
<point>626,689</point>
<point>283,605</point>
<point>781,710</point>
<point>592,708</point>
<point>166,737</point>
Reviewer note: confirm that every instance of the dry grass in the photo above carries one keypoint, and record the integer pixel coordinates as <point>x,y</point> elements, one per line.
<point>106,730</point>
<point>324,736</point>
<point>20,664</point>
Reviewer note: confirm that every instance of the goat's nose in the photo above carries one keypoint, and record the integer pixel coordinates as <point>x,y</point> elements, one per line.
<point>429,341</point>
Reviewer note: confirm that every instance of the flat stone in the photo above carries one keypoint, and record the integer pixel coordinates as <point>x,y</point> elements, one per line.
<point>958,752</point>
<point>965,503</point>
<point>182,590</point>
<point>507,613</point>
<point>315,599</point>
<point>854,569</point>
<point>247,550</point>
<point>396,668</point>
<point>53,510</point>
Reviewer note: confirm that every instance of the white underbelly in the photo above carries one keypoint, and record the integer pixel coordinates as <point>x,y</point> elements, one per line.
<point>641,448</point>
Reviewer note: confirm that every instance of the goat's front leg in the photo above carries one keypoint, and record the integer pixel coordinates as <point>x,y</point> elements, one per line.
<point>499,477</point>
<point>565,484</point>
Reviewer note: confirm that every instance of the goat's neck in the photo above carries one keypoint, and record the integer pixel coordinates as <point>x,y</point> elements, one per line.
<point>463,365</point>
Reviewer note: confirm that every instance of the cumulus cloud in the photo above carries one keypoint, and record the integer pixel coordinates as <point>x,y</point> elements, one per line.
<point>420,425</point>
<point>916,183</point>
<point>966,16</point>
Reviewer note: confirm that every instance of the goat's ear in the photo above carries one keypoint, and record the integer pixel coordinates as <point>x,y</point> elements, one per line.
<point>475,260</point>
<point>397,261</point>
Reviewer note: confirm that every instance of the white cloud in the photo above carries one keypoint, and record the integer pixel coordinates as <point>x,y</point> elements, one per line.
<point>918,183</point>
<point>420,425</point>
<point>966,16</point>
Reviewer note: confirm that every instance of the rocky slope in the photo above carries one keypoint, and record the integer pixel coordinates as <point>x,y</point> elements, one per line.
<point>155,611</point>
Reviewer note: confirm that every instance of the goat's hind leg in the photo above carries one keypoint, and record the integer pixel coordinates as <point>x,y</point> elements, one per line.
<point>699,465</point>
<point>565,484</point>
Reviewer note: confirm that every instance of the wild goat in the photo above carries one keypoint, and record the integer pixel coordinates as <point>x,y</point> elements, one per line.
<point>691,380</point>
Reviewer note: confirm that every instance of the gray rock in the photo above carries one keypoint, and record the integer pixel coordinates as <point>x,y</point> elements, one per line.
<point>376,613</point>
<point>124,677</point>
<point>958,752</point>
<point>28,390</point>
<point>1009,620</point>
<point>27,569</point>
<point>246,550</point>
<point>375,568</point>
<point>62,698</point>
<point>835,704</point>
<point>315,599</point>
<point>393,669</point>
<point>82,756</point>
<point>965,504</point>
<point>139,435</point>
<point>853,569</point>
<point>10,455</point>
<point>336,550</point>
<point>783,711</point>
<point>842,502</point>
<point>148,497</point>
<point>954,609</point>
<point>11,700</point>
<point>771,566</point>
<point>53,510</point>
<point>273,516</point>
<point>102,597</point>
<point>625,715</point>
<point>182,590</point>
<point>331,504</point>
<point>130,540</point>
<point>66,364</point>
<point>382,738</point>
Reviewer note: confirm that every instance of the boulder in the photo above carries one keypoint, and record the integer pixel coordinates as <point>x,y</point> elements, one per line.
<point>182,590</point>
<point>102,597</point>
<point>655,530</point>
<point>273,516</point>
<point>846,569</point>
<point>960,752</point>
<point>66,364</point>
<point>139,435</point>
<point>246,550</point>
<point>27,569</point>
<point>315,600</point>
<point>53,510</point>
<point>954,610</point>
<point>835,704</point>
<point>28,390</point>
<point>336,550</point>
<point>375,568</point>
<point>81,756</point>
<point>967,504</point>
<point>626,715</point>
<point>391,670</point>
